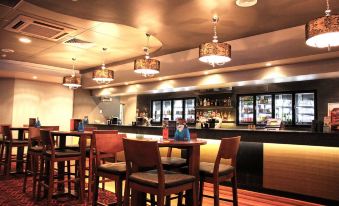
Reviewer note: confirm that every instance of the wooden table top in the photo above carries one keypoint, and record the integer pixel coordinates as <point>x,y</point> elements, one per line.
<point>71,133</point>
<point>19,128</point>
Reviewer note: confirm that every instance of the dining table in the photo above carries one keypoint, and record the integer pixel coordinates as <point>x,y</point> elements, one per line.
<point>20,152</point>
<point>193,151</point>
<point>63,135</point>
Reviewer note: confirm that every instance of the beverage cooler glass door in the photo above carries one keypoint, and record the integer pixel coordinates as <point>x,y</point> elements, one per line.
<point>156,111</point>
<point>263,108</point>
<point>304,108</point>
<point>167,109</point>
<point>246,109</point>
<point>283,108</point>
<point>178,109</point>
<point>190,110</point>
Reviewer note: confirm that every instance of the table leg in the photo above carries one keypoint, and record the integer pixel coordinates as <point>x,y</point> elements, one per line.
<point>193,161</point>
<point>138,198</point>
<point>20,153</point>
<point>61,165</point>
<point>82,146</point>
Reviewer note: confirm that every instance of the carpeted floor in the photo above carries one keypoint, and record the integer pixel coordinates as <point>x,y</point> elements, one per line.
<point>11,195</point>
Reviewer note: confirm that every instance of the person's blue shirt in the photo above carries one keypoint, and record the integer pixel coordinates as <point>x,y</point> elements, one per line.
<point>182,133</point>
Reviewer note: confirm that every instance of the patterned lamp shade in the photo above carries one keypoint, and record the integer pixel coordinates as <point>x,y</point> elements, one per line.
<point>72,82</point>
<point>215,53</point>
<point>147,67</point>
<point>323,32</point>
<point>103,76</point>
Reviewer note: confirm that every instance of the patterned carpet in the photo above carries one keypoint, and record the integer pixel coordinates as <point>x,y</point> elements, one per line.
<point>11,195</point>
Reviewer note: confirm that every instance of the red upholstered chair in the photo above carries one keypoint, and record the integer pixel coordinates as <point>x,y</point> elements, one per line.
<point>216,172</point>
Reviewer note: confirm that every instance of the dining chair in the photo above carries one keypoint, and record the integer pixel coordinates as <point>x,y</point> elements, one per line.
<point>107,145</point>
<point>217,172</point>
<point>48,158</point>
<point>145,174</point>
<point>34,153</point>
<point>2,148</point>
<point>9,143</point>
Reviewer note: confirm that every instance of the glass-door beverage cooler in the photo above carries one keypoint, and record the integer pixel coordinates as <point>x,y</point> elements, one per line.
<point>263,108</point>
<point>190,110</point>
<point>283,108</point>
<point>156,111</point>
<point>167,109</point>
<point>304,108</point>
<point>246,110</point>
<point>178,108</point>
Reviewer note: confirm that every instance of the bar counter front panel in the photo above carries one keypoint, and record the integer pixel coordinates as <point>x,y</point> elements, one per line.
<point>291,162</point>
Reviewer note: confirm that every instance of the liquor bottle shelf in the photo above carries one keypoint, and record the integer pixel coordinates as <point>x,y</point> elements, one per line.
<point>214,107</point>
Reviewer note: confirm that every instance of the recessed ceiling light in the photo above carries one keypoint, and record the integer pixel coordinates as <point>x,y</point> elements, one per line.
<point>160,79</point>
<point>126,83</point>
<point>246,3</point>
<point>25,40</point>
<point>3,55</point>
<point>7,50</point>
<point>268,64</point>
<point>35,77</point>
<point>206,72</point>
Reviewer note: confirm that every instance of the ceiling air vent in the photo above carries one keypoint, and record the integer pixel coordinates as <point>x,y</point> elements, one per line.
<point>79,43</point>
<point>39,28</point>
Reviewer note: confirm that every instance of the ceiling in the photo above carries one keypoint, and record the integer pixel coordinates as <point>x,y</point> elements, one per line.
<point>269,31</point>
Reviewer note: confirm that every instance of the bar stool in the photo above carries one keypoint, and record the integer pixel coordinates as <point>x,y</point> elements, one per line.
<point>34,153</point>
<point>107,145</point>
<point>145,173</point>
<point>217,172</point>
<point>2,149</point>
<point>9,143</point>
<point>48,158</point>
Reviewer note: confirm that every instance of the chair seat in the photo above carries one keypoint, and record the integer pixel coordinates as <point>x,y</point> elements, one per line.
<point>64,153</point>
<point>206,168</point>
<point>173,161</point>
<point>150,178</point>
<point>117,168</point>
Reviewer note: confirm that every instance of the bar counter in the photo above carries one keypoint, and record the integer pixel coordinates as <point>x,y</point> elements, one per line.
<point>295,137</point>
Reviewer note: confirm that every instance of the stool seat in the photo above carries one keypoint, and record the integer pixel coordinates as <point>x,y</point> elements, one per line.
<point>63,153</point>
<point>150,178</point>
<point>17,142</point>
<point>173,161</point>
<point>206,169</point>
<point>118,168</point>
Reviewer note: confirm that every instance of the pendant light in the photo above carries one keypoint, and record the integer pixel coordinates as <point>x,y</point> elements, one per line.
<point>147,67</point>
<point>103,75</point>
<point>72,82</point>
<point>215,53</point>
<point>324,31</point>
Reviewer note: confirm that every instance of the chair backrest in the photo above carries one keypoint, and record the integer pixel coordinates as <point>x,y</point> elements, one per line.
<point>6,132</point>
<point>228,149</point>
<point>47,141</point>
<point>193,135</point>
<point>34,134</point>
<point>106,145</point>
<point>142,155</point>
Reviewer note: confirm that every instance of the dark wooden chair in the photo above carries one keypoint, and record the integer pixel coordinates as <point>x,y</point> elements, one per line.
<point>106,144</point>
<point>48,158</point>
<point>216,172</point>
<point>2,148</point>
<point>34,153</point>
<point>145,174</point>
<point>8,144</point>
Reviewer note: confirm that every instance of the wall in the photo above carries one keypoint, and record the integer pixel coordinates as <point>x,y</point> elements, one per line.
<point>52,103</point>
<point>6,100</point>
<point>130,110</point>
<point>97,111</point>
<point>84,105</point>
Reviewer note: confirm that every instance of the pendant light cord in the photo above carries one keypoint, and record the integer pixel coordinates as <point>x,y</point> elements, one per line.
<point>146,48</point>
<point>215,20</point>
<point>73,66</point>
<point>103,65</point>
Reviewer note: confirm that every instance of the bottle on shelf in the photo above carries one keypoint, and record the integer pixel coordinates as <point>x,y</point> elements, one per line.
<point>205,102</point>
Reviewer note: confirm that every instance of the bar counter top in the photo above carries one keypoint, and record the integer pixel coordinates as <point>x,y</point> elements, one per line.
<point>297,137</point>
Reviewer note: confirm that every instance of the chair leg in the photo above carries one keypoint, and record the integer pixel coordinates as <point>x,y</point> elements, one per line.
<point>41,173</point>
<point>168,200</point>
<point>81,180</point>
<point>127,193</point>
<point>1,156</point>
<point>50,182</point>
<point>29,162</point>
<point>180,196</point>
<point>201,192</point>
<point>216,193</point>
<point>96,191</point>
<point>118,191</point>
<point>90,177</point>
<point>69,176</point>
<point>8,159</point>
<point>234,189</point>
<point>153,200</point>
<point>35,165</point>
